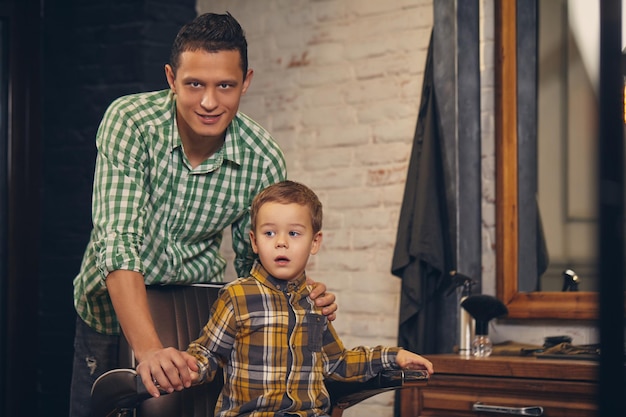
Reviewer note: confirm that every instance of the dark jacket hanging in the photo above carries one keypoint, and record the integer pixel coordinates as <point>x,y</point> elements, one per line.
<point>422,255</point>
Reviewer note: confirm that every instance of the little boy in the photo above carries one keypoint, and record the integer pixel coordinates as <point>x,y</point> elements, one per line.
<point>275,345</point>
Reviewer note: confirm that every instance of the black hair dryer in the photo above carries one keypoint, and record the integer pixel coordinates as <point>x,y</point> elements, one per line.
<point>483,308</point>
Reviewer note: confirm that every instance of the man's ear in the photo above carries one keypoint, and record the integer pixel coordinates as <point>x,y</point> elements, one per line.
<point>317,243</point>
<point>247,81</point>
<point>171,77</point>
<point>255,248</point>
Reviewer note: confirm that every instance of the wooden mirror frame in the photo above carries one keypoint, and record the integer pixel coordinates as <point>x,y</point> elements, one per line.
<point>521,305</point>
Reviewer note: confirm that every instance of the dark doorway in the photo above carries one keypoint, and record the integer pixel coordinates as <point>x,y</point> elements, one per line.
<point>61,63</point>
<point>19,209</point>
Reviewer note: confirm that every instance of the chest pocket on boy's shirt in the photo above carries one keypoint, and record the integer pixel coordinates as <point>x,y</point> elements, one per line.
<point>314,327</point>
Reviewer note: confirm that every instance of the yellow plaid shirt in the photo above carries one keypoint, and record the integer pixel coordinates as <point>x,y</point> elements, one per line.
<point>276,349</point>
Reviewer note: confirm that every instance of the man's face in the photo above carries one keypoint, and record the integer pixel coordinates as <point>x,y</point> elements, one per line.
<point>208,88</point>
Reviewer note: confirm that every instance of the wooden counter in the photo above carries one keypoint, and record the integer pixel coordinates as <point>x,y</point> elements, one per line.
<point>560,387</point>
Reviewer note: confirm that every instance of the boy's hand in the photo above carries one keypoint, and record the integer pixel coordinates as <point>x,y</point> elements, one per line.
<point>195,377</point>
<point>167,369</point>
<point>410,360</point>
<point>323,299</point>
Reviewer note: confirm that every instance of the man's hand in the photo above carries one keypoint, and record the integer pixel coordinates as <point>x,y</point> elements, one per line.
<point>167,369</point>
<point>323,299</point>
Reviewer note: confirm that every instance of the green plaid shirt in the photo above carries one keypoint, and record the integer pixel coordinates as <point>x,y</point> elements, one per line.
<point>276,349</point>
<point>155,215</point>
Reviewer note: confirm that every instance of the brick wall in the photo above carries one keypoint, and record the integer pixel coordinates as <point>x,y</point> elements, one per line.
<point>338,84</point>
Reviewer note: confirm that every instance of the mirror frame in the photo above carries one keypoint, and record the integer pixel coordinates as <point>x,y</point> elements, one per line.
<point>521,305</point>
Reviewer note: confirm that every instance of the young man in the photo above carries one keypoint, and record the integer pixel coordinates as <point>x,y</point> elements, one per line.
<point>265,331</point>
<point>174,169</point>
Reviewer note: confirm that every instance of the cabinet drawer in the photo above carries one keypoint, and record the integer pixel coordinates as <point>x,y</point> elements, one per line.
<point>450,395</point>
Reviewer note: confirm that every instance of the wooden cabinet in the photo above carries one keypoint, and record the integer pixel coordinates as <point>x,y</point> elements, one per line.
<point>556,387</point>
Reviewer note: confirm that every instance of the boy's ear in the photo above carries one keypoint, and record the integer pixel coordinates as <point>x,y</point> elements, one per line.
<point>255,248</point>
<point>317,243</point>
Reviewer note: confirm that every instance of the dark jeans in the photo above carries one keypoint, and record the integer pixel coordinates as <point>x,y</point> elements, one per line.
<point>94,354</point>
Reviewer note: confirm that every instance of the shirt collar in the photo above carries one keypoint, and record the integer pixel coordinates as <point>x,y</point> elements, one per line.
<point>175,136</point>
<point>233,146</point>
<point>297,285</point>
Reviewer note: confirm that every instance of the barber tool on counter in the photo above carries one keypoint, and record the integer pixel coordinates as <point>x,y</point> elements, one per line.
<point>466,323</point>
<point>483,308</point>
<point>570,280</point>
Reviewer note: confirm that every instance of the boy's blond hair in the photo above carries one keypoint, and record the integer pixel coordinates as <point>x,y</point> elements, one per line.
<point>288,192</point>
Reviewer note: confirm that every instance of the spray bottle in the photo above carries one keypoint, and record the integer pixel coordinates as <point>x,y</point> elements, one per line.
<point>466,322</point>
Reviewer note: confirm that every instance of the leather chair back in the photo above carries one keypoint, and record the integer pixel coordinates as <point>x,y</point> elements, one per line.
<point>179,313</point>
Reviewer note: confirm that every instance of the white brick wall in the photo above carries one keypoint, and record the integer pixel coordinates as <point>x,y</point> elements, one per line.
<point>338,84</point>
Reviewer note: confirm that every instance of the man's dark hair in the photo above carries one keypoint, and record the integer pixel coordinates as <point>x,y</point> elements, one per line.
<point>211,32</point>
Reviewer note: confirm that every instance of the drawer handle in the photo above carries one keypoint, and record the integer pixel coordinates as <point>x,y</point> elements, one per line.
<point>518,411</point>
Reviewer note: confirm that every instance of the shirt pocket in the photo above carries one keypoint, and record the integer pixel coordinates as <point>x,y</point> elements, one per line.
<point>315,325</point>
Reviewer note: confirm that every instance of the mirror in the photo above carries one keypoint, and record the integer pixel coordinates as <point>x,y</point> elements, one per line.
<point>567,126</point>
<point>516,189</point>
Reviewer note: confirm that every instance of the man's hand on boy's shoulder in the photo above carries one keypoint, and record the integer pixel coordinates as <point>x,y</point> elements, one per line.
<point>322,298</point>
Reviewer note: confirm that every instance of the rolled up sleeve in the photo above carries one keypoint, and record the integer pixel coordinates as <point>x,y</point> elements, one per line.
<point>118,252</point>
<point>119,195</point>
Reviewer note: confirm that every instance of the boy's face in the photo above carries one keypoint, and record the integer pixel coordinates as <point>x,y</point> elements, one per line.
<point>208,88</point>
<point>284,239</point>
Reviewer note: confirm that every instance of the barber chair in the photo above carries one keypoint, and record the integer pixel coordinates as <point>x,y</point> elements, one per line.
<point>121,393</point>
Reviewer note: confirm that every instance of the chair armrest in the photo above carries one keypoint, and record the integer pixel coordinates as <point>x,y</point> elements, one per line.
<point>121,393</point>
<point>117,392</point>
<point>347,394</point>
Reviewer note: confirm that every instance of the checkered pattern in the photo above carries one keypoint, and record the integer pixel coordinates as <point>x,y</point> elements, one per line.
<point>276,348</point>
<point>153,214</point>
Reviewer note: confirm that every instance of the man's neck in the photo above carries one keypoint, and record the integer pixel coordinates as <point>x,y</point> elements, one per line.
<point>199,148</point>
<point>197,153</point>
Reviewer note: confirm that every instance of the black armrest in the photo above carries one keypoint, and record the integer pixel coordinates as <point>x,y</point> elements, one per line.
<point>347,394</point>
<point>117,392</point>
<point>120,391</point>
